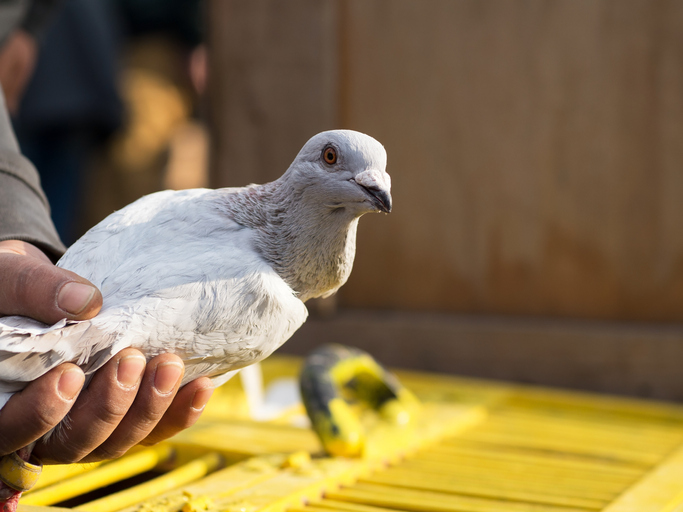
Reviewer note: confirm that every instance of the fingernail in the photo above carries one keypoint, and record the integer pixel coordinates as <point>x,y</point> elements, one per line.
<point>75,297</point>
<point>130,370</point>
<point>70,383</point>
<point>201,398</point>
<point>167,376</point>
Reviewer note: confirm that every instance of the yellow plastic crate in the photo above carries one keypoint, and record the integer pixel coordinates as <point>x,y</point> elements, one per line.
<point>476,446</point>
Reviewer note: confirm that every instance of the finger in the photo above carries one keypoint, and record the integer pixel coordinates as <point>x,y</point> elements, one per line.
<point>160,384</point>
<point>98,410</point>
<point>32,287</point>
<point>39,407</point>
<point>184,412</point>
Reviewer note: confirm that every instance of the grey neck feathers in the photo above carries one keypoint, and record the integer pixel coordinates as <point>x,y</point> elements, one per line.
<point>310,246</point>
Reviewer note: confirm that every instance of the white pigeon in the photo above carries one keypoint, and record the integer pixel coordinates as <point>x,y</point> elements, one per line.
<point>218,277</point>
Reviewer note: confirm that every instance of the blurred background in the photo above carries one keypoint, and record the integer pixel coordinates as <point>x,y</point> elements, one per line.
<point>535,148</point>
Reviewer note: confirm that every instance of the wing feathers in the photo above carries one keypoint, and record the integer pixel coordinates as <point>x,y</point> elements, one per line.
<point>25,356</point>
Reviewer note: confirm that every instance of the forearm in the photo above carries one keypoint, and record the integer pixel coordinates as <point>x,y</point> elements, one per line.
<point>24,214</point>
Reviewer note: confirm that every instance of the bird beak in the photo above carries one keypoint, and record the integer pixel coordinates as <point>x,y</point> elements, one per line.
<point>382,199</point>
<point>378,185</point>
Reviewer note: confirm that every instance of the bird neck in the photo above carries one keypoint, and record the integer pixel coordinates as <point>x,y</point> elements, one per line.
<point>310,245</point>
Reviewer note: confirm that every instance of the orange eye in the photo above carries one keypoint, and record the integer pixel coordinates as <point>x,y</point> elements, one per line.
<point>330,155</point>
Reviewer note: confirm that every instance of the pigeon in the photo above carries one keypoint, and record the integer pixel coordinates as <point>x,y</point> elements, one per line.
<point>218,277</point>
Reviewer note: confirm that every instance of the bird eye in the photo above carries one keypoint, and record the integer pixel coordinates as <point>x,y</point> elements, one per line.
<point>330,155</point>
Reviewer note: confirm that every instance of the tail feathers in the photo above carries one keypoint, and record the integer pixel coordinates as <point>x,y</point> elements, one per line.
<point>19,334</point>
<point>29,351</point>
<point>23,324</point>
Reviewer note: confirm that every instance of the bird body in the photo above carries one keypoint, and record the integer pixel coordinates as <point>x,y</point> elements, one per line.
<point>218,277</point>
<point>219,306</point>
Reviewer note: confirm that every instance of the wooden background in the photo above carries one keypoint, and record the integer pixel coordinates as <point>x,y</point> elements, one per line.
<point>535,146</point>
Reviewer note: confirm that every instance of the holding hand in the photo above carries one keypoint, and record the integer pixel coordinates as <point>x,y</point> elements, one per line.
<point>127,401</point>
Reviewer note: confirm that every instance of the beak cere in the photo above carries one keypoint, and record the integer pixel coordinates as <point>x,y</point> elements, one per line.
<point>376,184</point>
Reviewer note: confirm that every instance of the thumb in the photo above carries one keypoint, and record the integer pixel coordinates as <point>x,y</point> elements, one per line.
<point>35,288</point>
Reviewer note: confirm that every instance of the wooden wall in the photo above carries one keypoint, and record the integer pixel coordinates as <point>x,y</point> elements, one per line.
<point>536,147</point>
<point>609,357</point>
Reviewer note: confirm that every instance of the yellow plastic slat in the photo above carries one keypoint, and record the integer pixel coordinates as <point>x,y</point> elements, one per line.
<point>295,481</point>
<point>60,472</point>
<point>426,501</point>
<point>585,441</point>
<point>570,403</point>
<point>506,448</point>
<point>344,506</point>
<point>248,439</point>
<point>486,490</point>
<point>501,484</point>
<point>584,486</point>
<point>256,484</point>
<point>215,487</point>
<point>106,474</point>
<point>180,476</point>
<point>587,434</point>
<point>649,431</point>
<point>483,465</point>
<point>660,491</point>
<point>624,453</point>
<point>452,452</point>
<point>37,508</point>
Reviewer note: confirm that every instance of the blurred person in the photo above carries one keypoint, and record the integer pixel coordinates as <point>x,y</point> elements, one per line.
<point>162,73</point>
<point>127,401</point>
<point>110,87</point>
<point>71,105</point>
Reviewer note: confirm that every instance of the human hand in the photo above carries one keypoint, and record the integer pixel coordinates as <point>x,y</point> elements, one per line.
<point>30,285</point>
<point>17,60</point>
<point>126,403</point>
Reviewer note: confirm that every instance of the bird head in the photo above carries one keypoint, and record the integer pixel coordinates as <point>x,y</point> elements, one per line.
<point>344,170</point>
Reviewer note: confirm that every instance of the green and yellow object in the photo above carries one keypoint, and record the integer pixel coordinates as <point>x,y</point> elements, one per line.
<point>337,383</point>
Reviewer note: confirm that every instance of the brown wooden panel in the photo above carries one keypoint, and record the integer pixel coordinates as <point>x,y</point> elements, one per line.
<point>272,84</point>
<point>608,357</point>
<point>535,146</point>
<point>536,149</point>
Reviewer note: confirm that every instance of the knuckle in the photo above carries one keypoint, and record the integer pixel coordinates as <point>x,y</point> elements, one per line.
<point>151,417</point>
<point>110,412</point>
<point>104,452</point>
<point>44,419</point>
<point>110,416</point>
<point>6,443</point>
<point>139,431</point>
<point>71,456</point>
<point>25,282</point>
<point>12,291</point>
<point>143,426</point>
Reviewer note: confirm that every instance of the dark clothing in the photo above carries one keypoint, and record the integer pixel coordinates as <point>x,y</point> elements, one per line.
<point>71,105</point>
<point>24,210</point>
<point>74,82</point>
